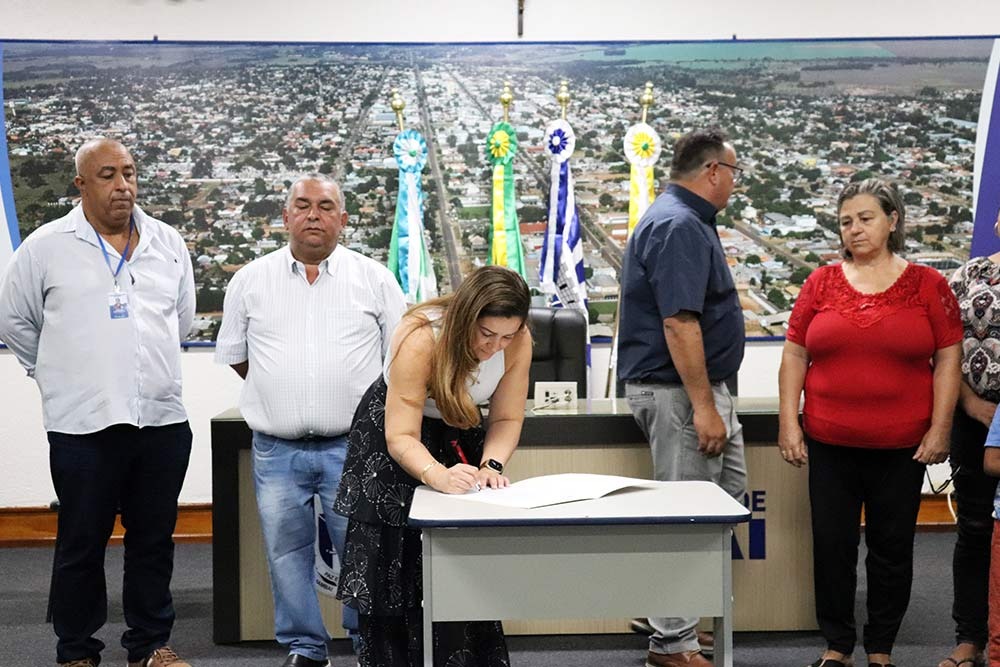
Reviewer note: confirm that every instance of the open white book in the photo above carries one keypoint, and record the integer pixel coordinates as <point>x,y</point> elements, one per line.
<point>553,490</point>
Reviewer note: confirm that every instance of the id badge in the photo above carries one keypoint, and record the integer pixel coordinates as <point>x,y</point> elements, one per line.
<point>118,305</point>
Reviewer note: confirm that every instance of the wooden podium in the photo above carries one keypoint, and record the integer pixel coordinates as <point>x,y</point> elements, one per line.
<point>772,552</point>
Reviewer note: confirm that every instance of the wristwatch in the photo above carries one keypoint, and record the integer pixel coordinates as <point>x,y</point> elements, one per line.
<point>492,464</point>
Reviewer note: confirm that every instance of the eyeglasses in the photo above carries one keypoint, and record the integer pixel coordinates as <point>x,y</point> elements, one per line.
<point>737,171</point>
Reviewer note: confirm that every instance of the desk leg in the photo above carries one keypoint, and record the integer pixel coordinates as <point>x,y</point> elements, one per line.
<point>426,539</point>
<point>724,624</point>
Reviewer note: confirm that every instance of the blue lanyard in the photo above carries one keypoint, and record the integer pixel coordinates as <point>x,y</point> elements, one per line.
<point>121,260</point>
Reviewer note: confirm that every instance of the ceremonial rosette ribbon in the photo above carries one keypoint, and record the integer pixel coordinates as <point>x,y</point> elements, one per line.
<point>409,259</point>
<point>560,271</point>
<point>642,150</point>
<point>560,140</point>
<point>505,236</point>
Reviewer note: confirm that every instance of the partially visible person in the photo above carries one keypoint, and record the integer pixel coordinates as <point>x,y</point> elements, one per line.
<point>419,423</point>
<point>307,327</point>
<point>95,305</point>
<point>681,337</point>
<point>991,466</point>
<point>875,344</point>
<point>977,287</point>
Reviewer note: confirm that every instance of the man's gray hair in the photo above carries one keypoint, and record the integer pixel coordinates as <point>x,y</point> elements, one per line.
<point>322,178</point>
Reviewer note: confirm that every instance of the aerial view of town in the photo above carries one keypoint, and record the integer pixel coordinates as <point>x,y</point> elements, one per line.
<point>219,132</point>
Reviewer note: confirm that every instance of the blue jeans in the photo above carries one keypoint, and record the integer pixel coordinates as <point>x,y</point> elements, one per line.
<point>287,474</point>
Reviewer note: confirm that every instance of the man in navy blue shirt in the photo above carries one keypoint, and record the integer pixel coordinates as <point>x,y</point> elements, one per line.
<point>681,336</point>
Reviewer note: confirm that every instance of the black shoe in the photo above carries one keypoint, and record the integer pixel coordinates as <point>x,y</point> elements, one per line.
<point>296,660</point>
<point>830,662</point>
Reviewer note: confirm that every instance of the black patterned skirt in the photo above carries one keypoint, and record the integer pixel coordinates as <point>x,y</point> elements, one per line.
<point>381,569</point>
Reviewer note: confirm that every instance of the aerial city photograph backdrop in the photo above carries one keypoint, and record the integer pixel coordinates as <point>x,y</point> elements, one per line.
<point>219,132</point>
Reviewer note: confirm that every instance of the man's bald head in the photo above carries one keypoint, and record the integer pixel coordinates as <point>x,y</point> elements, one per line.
<point>92,146</point>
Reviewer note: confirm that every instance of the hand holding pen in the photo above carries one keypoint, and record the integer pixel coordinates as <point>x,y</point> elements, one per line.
<point>460,478</point>
<point>465,461</point>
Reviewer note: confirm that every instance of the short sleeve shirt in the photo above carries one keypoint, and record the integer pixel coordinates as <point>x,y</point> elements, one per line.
<point>870,382</point>
<point>675,262</point>
<point>993,440</point>
<point>977,288</point>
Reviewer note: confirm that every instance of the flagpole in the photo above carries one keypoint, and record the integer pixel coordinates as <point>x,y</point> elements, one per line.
<point>506,99</point>
<point>646,100</point>
<point>506,248</point>
<point>562,97</point>
<point>398,104</point>
<point>409,259</point>
<point>561,269</point>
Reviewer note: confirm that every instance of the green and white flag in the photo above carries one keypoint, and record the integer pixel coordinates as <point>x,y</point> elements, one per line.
<point>506,248</point>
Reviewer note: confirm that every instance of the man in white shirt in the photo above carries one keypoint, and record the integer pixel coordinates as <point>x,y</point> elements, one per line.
<point>307,327</point>
<point>95,305</point>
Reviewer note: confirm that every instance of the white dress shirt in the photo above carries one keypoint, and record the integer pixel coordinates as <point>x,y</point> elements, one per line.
<point>314,349</point>
<point>94,371</point>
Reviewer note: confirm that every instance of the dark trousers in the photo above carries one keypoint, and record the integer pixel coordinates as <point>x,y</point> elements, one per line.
<point>887,483</point>
<point>140,472</point>
<point>973,495</point>
<point>993,646</point>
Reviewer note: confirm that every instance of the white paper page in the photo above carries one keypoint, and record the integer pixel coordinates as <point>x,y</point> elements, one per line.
<point>553,489</point>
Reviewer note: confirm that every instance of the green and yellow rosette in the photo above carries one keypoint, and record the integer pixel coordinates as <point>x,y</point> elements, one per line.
<point>505,235</point>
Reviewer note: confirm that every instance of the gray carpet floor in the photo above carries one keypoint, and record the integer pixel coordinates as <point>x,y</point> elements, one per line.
<point>25,638</point>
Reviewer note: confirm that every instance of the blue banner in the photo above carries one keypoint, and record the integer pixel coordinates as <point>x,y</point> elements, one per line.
<point>10,236</point>
<point>561,271</point>
<point>986,188</point>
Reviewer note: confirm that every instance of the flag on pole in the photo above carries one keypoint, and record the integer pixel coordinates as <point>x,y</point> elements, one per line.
<point>10,236</point>
<point>505,235</point>
<point>642,150</point>
<point>986,179</point>
<point>561,268</point>
<point>409,259</point>
<point>561,271</point>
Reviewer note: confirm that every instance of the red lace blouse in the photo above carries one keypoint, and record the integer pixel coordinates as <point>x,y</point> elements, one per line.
<point>869,381</point>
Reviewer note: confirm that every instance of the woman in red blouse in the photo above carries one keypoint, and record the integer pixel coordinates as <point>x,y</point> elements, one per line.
<point>875,343</point>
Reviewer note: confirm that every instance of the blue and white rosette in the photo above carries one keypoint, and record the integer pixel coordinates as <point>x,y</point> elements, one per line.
<point>408,259</point>
<point>560,140</point>
<point>410,151</point>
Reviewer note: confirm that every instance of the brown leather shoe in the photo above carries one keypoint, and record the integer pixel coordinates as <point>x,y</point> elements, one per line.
<point>682,659</point>
<point>161,657</point>
<point>706,642</point>
<point>86,662</point>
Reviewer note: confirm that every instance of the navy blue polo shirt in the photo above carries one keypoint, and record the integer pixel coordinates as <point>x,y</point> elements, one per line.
<point>674,261</point>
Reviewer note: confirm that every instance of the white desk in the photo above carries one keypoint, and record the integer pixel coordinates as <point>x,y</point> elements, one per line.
<point>660,550</point>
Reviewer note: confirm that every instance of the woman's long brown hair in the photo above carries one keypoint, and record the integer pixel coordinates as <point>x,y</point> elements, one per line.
<point>491,291</point>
